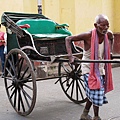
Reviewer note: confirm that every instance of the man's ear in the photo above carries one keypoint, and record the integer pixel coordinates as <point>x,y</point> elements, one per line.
<point>95,25</point>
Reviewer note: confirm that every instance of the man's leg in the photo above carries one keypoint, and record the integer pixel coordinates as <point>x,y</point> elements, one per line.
<point>88,105</point>
<point>85,115</point>
<point>96,113</point>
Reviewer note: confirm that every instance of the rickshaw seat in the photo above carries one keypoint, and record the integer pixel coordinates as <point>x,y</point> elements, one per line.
<point>43,28</point>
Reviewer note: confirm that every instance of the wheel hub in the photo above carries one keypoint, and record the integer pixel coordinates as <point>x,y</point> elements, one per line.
<point>16,82</point>
<point>73,75</point>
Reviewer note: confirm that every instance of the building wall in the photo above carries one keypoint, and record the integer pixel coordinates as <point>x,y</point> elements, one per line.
<point>85,12</point>
<point>61,11</point>
<point>116,16</point>
<point>80,14</point>
<point>51,9</point>
<point>28,6</point>
<point>116,30</point>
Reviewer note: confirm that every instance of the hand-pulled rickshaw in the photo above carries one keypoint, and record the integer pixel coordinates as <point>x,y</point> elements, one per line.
<point>34,37</point>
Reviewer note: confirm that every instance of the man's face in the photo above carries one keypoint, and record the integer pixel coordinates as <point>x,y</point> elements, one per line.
<point>103,26</point>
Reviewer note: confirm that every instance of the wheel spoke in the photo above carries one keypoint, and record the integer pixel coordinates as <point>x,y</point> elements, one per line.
<point>24,73</point>
<point>65,80</point>
<point>69,86</point>
<point>13,61</point>
<point>26,93</point>
<point>79,68</point>
<point>28,86</point>
<point>24,80</point>
<point>26,100</point>
<point>81,92</point>
<point>15,97</point>
<point>65,69</point>
<point>9,78</point>
<point>18,99</point>
<point>9,72</point>
<point>12,94</point>
<point>9,86</point>
<point>20,64</point>
<point>72,89</point>
<point>81,83</point>
<point>71,66</point>
<point>13,69</point>
<point>23,107</point>
<point>77,85</point>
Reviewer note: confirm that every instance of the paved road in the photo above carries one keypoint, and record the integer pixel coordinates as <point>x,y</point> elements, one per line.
<point>52,104</point>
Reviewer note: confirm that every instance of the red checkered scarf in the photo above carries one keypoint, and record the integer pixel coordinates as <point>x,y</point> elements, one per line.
<point>94,81</point>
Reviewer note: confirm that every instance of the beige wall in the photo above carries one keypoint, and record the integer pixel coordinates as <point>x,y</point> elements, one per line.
<point>80,14</point>
<point>116,16</point>
<point>28,6</point>
<point>85,12</point>
<point>51,8</point>
<point>61,11</point>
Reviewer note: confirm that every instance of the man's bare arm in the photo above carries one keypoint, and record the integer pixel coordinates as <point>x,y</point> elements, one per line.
<point>111,40</point>
<point>70,39</point>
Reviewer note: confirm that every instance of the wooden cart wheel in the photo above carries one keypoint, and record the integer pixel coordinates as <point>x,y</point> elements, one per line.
<point>20,82</point>
<point>71,82</point>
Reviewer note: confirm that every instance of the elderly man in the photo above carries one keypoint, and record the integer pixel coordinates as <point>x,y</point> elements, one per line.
<point>97,76</point>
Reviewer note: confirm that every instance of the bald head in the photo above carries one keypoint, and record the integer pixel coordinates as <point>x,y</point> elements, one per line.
<point>99,18</point>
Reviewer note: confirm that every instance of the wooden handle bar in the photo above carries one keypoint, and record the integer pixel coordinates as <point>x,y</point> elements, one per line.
<point>88,61</point>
